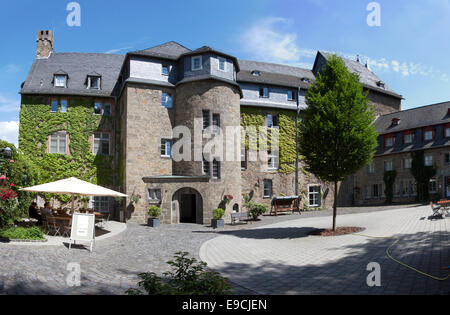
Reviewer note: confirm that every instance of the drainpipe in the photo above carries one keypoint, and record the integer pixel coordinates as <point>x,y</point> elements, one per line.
<point>296,145</point>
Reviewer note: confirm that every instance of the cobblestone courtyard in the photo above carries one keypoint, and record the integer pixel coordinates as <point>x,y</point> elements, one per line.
<point>273,256</point>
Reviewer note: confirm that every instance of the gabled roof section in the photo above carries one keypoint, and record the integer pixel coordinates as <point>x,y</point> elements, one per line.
<point>76,66</point>
<point>367,78</point>
<point>419,117</point>
<point>274,74</point>
<point>170,50</point>
<point>207,49</point>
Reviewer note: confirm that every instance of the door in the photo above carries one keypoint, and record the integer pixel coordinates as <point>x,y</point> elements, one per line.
<point>188,207</point>
<point>447,187</point>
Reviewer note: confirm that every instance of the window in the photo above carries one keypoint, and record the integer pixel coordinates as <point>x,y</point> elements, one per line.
<point>54,106</point>
<point>432,186</point>
<point>166,100</point>
<point>428,160</point>
<point>371,168</point>
<point>94,82</point>
<point>407,163</point>
<point>314,196</point>
<point>388,166</point>
<point>165,69</point>
<point>447,132</point>
<point>60,80</point>
<point>243,158</point>
<point>216,169</point>
<point>222,64</point>
<point>376,191</point>
<point>389,141</point>
<point>447,158</point>
<point>58,142</point>
<point>291,95</point>
<point>216,122</point>
<point>272,161</point>
<point>196,63</point>
<point>264,92</point>
<point>107,110</point>
<point>411,188</point>
<point>206,167</point>
<point>428,135</point>
<point>97,108</point>
<point>63,106</point>
<point>272,121</point>
<point>101,204</point>
<point>101,144</point>
<point>154,195</point>
<point>408,138</point>
<point>165,148</point>
<point>267,188</point>
<point>206,119</point>
<point>367,193</point>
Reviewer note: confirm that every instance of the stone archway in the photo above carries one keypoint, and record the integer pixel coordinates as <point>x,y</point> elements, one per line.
<point>190,205</point>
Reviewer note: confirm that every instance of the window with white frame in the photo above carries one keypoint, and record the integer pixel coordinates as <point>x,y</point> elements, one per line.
<point>314,196</point>
<point>60,80</point>
<point>272,121</point>
<point>389,142</point>
<point>94,82</point>
<point>97,108</point>
<point>371,168</point>
<point>411,187</point>
<point>368,192</point>
<point>388,166</point>
<point>407,163</point>
<point>222,64</point>
<point>264,92</point>
<point>428,135</point>
<point>408,138</point>
<point>154,195</point>
<point>166,145</point>
<point>58,142</point>
<point>54,106</point>
<point>243,158</point>
<point>447,132</point>
<point>101,204</point>
<point>196,63</point>
<point>428,160</point>
<point>101,144</point>
<point>272,160</point>
<point>166,100</point>
<point>291,95</point>
<point>377,190</point>
<point>267,188</point>
<point>63,106</point>
<point>165,69</point>
<point>432,186</point>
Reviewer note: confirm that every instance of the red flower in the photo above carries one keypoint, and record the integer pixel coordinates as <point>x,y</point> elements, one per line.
<point>3,177</point>
<point>12,185</point>
<point>11,161</point>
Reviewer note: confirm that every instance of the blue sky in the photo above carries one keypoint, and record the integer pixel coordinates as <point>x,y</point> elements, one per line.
<point>408,50</point>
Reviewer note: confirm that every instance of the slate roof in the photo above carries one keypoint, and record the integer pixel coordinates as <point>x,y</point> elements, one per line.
<point>367,77</point>
<point>207,49</point>
<point>171,50</point>
<point>77,66</point>
<point>274,74</point>
<point>419,117</point>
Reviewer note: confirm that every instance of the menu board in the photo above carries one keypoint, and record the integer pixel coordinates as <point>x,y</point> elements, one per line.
<point>83,226</point>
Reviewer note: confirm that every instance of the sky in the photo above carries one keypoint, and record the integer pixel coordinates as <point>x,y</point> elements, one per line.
<point>405,42</point>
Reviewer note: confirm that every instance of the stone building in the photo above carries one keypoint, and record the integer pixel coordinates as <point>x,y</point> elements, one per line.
<point>424,129</point>
<point>115,119</point>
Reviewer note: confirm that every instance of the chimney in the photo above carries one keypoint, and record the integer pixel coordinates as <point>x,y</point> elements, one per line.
<point>44,44</point>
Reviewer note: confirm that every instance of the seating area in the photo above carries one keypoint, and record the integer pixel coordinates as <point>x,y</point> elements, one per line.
<point>285,204</point>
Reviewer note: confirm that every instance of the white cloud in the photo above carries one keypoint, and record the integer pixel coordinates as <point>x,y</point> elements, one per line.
<point>9,131</point>
<point>9,105</point>
<point>12,68</point>
<point>116,50</point>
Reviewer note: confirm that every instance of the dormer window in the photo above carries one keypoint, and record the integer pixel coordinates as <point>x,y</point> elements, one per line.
<point>94,82</point>
<point>222,64</point>
<point>380,84</point>
<point>256,73</point>
<point>165,69</point>
<point>305,80</point>
<point>60,80</point>
<point>196,63</point>
<point>395,122</point>
<point>389,141</point>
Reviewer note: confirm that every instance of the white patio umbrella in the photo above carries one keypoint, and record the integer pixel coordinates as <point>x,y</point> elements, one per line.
<point>74,186</point>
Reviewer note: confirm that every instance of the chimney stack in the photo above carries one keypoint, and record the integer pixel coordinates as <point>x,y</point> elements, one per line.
<point>44,44</point>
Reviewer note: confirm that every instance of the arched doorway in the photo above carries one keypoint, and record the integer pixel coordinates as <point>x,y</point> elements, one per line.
<point>190,205</point>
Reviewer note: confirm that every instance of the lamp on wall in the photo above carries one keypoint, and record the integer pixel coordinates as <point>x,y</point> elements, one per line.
<point>257,183</point>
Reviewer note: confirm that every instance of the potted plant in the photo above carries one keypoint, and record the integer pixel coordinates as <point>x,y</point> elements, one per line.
<point>217,221</point>
<point>135,198</point>
<point>154,212</point>
<point>228,198</point>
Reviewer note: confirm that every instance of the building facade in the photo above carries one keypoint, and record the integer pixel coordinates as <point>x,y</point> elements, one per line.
<point>118,120</point>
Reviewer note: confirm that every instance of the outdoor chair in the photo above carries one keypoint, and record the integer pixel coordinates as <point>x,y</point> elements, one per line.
<point>65,227</point>
<point>52,226</point>
<point>436,209</point>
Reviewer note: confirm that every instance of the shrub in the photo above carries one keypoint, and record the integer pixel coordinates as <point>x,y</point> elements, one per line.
<point>154,211</point>
<point>21,233</point>
<point>218,213</point>
<point>9,207</point>
<point>187,277</point>
<point>256,209</point>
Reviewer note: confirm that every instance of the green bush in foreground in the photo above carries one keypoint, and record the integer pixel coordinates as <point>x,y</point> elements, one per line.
<point>218,213</point>
<point>21,233</point>
<point>188,277</point>
<point>256,209</point>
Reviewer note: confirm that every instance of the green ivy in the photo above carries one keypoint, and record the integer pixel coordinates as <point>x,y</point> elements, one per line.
<point>286,120</point>
<point>389,180</point>
<point>37,122</point>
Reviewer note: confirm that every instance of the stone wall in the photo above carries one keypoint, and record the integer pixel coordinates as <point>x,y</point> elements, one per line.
<point>384,104</point>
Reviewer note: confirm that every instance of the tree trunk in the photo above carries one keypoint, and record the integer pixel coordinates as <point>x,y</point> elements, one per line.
<point>335,205</point>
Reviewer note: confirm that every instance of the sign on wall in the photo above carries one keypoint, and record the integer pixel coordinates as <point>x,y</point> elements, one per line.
<point>83,226</point>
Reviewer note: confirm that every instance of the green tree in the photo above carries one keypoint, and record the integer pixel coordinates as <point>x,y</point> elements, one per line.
<point>337,136</point>
<point>389,180</point>
<point>422,174</point>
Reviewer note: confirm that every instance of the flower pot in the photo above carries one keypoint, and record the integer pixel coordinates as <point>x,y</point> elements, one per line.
<point>153,222</point>
<point>217,223</point>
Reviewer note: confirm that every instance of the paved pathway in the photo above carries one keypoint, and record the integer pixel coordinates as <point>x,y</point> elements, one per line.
<point>282,259</point>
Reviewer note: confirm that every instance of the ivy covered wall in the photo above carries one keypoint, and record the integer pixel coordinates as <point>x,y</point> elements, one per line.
<point>286,120</point>
<point>37,122</point>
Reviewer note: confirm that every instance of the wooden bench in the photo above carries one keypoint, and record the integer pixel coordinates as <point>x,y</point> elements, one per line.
<point>285,204</point>
<point>239,216</point>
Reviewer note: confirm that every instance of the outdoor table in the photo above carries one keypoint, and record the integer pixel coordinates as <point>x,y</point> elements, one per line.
<point>445,206</point>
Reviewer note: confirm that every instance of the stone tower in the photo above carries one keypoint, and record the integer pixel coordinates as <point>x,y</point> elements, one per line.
<point>44,42</point>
